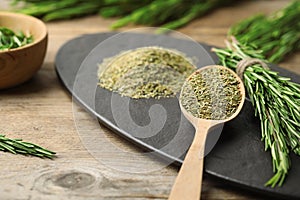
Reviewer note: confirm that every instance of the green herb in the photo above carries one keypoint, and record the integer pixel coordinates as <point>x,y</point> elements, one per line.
<point>170,14</point>
<point>145,72</point>
<point>211,93</point>
<point>166,13</point>
<point>17,146</point>
<point>276,35</point>
<point>276,100</point>
<point>10,40</point>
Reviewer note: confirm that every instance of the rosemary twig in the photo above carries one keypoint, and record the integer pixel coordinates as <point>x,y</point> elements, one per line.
<point>276,100</point>
<point>276,35</point>
<point>17,146</point>
<point>169,14</point>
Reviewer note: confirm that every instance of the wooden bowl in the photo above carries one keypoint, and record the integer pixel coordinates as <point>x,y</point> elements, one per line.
<point>20,64</point>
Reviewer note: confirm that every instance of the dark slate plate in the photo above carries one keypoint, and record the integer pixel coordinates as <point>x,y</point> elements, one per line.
<point>238,156</point>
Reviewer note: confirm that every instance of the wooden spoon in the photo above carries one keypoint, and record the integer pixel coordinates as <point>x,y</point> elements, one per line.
<point>188,183</point>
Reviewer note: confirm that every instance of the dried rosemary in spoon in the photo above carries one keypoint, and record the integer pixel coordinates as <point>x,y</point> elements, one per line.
<point>210,96</point>
<point>211,93</point>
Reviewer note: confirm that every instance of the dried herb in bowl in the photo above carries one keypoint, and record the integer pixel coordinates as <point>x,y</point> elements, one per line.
<point>11,40</point>
<point>147,72</point>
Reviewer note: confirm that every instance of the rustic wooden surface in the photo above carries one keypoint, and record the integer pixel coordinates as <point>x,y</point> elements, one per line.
<point>41,111</point>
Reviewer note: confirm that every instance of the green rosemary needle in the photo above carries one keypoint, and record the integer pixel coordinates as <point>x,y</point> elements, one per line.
<point>276,101</point>
<point>17,146</point>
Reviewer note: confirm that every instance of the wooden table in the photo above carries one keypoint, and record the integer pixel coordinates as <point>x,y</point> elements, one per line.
<point>41,111</point>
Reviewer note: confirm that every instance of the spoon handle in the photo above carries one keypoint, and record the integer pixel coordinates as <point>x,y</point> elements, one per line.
<point>189,180</point>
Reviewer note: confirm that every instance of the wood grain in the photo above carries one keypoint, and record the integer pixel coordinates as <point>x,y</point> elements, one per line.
<point>41,111</point>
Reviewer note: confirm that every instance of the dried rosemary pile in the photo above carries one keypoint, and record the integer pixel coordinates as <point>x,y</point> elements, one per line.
<point>147,72</point>
<point>166,13</point>
<point>276,99</point>
<point>211,93</point>
<point>10,40</point>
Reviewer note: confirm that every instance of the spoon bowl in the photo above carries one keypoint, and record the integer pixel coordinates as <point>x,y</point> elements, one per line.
<point>189,180</point>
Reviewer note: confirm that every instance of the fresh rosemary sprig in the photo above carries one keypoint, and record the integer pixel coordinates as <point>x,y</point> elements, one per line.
<point>169,14</point>
<point>10,40</point>
<point>17,146</point>
<point>276,101</point>
<point>276,35</point>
